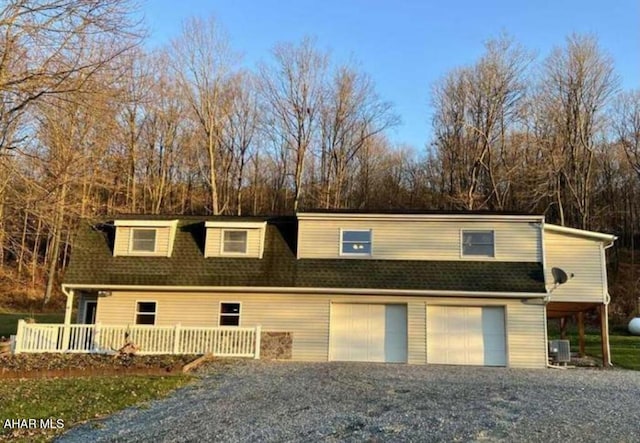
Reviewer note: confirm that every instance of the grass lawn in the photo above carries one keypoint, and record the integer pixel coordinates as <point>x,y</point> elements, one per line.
<point>75,400</point>
<point>625,348</point>
<point>9,322</point>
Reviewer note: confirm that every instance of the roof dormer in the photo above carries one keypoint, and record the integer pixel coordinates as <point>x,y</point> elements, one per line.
<point>144,238</point>
<point>234,239</point>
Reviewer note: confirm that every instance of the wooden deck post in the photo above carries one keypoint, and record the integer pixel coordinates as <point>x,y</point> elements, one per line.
<point>66,332</point>
<point>258,342</point>
<point>563,328</point>
<point>581,333</point>
<point>19,337</point>
<point>604,335</point>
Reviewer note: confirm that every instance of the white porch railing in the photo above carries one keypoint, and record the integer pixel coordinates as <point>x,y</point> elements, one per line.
<point>223,341</point>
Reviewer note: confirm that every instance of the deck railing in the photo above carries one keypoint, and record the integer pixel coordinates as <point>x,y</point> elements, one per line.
<point>225,341</point>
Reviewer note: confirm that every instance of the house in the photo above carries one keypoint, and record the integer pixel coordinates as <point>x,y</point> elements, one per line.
<point>472,288</point>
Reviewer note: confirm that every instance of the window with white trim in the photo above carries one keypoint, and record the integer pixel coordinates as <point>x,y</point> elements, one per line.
<point>143,240</point>
<point>355,242</point>
<point>229,314</point>
<point>234,241</point>
<point>146,313</point>
<point>478,243</point>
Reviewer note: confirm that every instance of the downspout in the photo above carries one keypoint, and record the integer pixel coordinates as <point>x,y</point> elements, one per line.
<point>607,296</point>
<point>547,298</point>
<point>69,305</point>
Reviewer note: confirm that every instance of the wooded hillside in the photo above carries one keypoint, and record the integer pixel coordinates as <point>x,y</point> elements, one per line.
<point>92,124</point>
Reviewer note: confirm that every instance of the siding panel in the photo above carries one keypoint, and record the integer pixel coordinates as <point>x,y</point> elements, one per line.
<point>582,258</point>
<point>420,240</point>
<point>417,333</point>
<point>307,318</point>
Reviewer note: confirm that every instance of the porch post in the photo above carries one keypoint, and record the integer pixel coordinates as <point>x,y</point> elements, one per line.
<point>563,328</point>
<point>604,335</point>
<point>581,333</point>
<point>67,320</point>
<point>68,307</point>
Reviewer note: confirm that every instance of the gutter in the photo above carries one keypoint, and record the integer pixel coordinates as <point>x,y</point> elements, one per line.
<point>290,290</point>
<point>419,217</point>
<point>581,232</point>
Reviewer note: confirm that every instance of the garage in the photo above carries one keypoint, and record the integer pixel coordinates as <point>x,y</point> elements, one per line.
<point>368,332</point>
<point>466,335</point>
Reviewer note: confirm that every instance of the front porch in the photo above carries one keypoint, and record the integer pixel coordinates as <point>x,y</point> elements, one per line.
<point>145,340</point>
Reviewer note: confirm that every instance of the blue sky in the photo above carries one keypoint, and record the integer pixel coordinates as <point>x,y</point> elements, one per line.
<point>407,45</point>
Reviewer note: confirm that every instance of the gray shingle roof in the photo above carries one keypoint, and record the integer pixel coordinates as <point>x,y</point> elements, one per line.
<point>92,262</point>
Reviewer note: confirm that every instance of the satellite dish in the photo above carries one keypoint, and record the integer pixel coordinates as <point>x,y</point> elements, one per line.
<point>559,276</point>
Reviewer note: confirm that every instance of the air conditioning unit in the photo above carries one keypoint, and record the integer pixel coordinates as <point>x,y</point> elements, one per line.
<point>560,351</point>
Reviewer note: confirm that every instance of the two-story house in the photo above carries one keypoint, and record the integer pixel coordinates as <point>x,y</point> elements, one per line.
<point>421,288</point>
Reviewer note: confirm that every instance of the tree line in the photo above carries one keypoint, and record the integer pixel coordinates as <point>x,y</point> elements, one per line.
<point>93,124</point>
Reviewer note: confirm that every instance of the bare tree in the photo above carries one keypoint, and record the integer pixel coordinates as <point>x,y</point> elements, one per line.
<point>292,89</point>
<point>203,63</point>
<point>626,125</point>
<point>45,43</point>
<point>475,110</point>
<point>577,83</point>
<point>351,114</point>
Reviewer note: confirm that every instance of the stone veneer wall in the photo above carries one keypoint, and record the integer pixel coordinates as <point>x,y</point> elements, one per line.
<point>276,345</point>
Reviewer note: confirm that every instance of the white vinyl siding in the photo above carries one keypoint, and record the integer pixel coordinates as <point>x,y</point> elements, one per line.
<point>420,240</point>
<point>215,236</point>
<point>307,316</point>
<point>124,241</point>
<point>581,257</point>
<point>417,331</point>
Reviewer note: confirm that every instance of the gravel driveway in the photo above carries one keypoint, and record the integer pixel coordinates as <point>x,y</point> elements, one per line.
<point>277,401</point>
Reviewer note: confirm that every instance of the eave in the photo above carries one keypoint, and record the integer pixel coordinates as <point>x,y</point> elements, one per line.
<point>303,290</point>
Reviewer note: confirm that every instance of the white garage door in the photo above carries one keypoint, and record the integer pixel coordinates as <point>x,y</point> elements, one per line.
<point>466,335</point>
<point>360,332</point>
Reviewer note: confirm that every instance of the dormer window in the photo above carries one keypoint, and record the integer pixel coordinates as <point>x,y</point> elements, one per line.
<point>355,242</point>
<point>234,238</point>
<point>143,240</point>
<point>234,241</point>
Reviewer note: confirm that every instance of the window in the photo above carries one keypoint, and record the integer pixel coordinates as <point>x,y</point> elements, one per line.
<point>143,240</point>
<point>356,243</point>
<point>229,314</point>
<point>234,242</point>
<point>478,243</point>
<point>146,313</point>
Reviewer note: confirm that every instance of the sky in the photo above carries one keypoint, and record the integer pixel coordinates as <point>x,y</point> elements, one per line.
<point>407,45</point>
